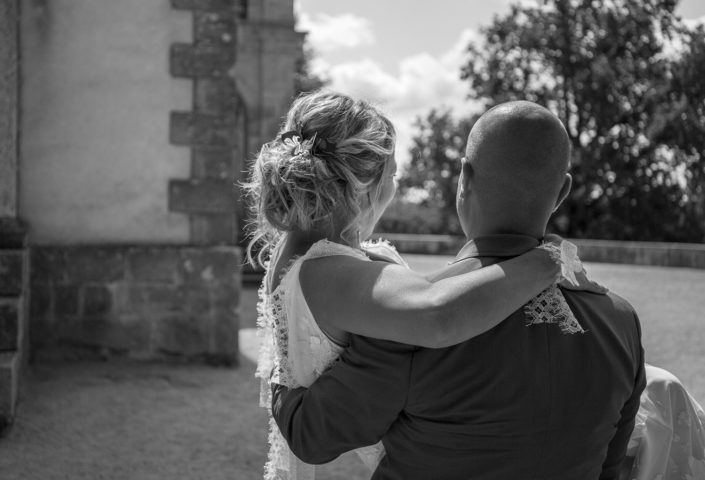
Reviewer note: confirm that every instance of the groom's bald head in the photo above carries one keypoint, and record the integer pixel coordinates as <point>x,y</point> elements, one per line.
<point>517,158</point>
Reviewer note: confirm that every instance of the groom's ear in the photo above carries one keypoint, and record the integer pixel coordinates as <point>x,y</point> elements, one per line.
<point>565,189</point>
<point>464,178</point>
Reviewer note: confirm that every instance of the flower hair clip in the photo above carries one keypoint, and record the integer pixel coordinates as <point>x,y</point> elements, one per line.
<point>299,145</point>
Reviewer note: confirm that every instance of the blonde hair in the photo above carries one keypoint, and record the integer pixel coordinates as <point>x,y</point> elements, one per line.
<point>321,190</point>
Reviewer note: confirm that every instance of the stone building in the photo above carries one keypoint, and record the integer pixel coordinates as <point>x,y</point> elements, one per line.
<point>123,129</point>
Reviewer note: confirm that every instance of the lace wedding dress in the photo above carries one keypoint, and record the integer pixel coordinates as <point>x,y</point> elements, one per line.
<point>294,351</point>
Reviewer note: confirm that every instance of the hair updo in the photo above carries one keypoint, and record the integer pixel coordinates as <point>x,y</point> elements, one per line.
<point>322,188</point>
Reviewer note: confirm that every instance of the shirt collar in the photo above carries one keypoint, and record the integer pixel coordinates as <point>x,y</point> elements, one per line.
<point>500,245</point>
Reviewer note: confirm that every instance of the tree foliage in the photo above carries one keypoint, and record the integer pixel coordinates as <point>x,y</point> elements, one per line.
<point>432,175</point>
<point>304,79</point>
<point>625,78</point>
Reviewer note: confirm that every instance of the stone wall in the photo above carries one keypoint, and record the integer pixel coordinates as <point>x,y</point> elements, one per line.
<point>642,253</point>
<point>140,301</point>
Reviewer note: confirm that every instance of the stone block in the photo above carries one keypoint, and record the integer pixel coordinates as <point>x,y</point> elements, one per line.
<point>11,273</point>
<point>47,264</point>
<point>212,163</point>
<point>154,264</point>
<point>202,129</point>
<point>66,300</point>
<point>10,366</point>
<point>10,318</point>
<point>183,334</point>
<point>97,300</point>
<point>226,297</point>
<point>43,330</point>
<point>194,300</point>
<point>13,234</point>
<point>215,28</point>
<point>39,299</point>
<point>191,61</point>
<point>212,266</point>
<point>216,95</point>
<point>160,299</point>
<point>84,264</point>
<point>196,196</point>
<point>226,328</point>
<point>275,11</point>
<point>213,229</point>
<point>127,334</point>
<point>146,298</point>
<point>207,5</point>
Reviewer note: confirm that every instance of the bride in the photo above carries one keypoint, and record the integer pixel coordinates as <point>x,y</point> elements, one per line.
<point>317,191</point>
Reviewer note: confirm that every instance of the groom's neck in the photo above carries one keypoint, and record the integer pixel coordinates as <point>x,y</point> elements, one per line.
<point>484,231</point>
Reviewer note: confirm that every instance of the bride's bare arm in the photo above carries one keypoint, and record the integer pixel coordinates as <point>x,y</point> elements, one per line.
<point>391,302</point>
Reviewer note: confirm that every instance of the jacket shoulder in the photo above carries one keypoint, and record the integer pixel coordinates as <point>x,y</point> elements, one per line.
<point>620,304</point>
<point>607,308</point>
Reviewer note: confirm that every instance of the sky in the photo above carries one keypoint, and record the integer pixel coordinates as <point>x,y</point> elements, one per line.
<point>405,55</point>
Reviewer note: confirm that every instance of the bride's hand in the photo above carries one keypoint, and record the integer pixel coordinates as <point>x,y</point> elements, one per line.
<point>584,284</point>
<point>576,271</point>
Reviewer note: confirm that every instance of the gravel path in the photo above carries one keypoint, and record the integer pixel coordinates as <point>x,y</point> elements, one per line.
<point>125,420</point>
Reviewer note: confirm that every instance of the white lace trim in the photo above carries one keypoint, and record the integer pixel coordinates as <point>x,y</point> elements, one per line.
<point>550,305</point>
<point>273,366</point>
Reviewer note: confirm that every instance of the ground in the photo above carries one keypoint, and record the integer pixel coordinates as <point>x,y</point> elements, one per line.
<point>123,419</point>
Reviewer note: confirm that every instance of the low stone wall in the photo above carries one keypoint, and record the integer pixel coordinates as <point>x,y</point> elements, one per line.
<point>142,301</point>
<point>604,251</point>
<point>642,253</point>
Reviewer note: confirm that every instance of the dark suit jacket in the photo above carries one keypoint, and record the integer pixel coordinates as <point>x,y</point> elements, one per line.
<point>517,402</point>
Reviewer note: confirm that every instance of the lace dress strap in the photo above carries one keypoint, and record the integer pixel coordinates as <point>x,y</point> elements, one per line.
<point>326,248</point>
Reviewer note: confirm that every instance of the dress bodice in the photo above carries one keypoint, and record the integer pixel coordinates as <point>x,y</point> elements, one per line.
<point>294,351</point>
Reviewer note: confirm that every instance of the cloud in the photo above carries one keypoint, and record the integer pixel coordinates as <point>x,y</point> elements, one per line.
<point>674,47</point>
<point>693,23</point>
<point>423,82</point>
<point>327,33</point>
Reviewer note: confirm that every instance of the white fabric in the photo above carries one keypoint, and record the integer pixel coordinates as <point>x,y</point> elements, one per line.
<point>668,441</point>
<point>295,351</point>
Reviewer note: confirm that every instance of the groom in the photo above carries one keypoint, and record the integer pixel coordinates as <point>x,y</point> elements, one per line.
<point>550,393</point>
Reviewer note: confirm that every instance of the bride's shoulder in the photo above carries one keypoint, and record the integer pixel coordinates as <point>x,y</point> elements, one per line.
<point>383,250</point>
<point>325,258</point>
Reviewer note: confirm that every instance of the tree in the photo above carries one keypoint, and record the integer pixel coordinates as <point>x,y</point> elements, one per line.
<point>432,174</point>
<point>304,80</point>
<point>625,78</point>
